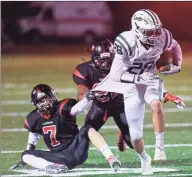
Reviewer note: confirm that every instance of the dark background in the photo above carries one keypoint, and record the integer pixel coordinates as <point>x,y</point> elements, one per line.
<point>175,16</point>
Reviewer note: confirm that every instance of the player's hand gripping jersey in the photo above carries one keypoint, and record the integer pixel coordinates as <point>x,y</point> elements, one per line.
<point>87,75</point>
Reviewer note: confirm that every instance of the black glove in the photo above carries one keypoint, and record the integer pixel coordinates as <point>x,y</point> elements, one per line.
<point>90,95</point>
<point>31,147</point>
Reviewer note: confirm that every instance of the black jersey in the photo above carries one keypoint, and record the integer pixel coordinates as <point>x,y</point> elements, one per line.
<point>58,129</point>
<point>86,74</point>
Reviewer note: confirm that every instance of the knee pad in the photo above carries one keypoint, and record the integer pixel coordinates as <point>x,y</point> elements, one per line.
<point>136,134</point>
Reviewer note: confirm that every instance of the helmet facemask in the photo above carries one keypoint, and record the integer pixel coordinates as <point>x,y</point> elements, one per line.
<point>150,36</point>
<point>102,55</point>
<point>45,105</point>
<point>104,62</point>
<point>44,98</point>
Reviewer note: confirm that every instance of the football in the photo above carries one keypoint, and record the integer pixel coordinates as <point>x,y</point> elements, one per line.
<point>165,58</point>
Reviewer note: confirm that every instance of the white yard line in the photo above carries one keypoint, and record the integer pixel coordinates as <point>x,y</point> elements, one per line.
<point>19,102</point>
<point>11,85</point>
<point>114,147</point>
<point>23,114</point>
<point>171,125</point>
<point>86,172</point>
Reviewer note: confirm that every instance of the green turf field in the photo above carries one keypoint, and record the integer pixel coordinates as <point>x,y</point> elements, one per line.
<point>21,72</point>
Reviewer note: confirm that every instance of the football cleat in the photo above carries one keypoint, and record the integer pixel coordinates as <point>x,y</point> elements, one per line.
<point>160,155</point>
<point>114,163</point>
<point>121,143</point>
<point>55,169</point>
<point>178,101</point>
<point>146,166</point>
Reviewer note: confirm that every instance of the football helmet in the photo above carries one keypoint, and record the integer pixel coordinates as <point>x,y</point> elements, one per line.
<point>147,26</point>
<point>102,55</point>
<point>44,98</point>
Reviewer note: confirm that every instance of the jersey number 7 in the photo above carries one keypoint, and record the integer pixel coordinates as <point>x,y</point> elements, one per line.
<point>52,129</point>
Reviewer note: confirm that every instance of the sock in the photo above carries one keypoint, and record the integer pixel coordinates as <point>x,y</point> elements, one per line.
<point>159,140</point>
<point>36,162</point>
<point>143,155</point>
<point>106,152</point>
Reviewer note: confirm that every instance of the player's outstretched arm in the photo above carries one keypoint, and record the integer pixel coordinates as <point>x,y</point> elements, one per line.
<point>82,105</point>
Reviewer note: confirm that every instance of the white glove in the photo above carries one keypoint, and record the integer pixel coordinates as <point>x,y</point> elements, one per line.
<point>146,78</point>
<point>173,69</point>
<point>90,95</point>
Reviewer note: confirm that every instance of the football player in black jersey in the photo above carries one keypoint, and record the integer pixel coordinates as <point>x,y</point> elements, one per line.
<point>105,104</point>
<point>56,122</point>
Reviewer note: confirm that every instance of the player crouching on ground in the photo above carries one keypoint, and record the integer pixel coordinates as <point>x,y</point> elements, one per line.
<point>56,122</point>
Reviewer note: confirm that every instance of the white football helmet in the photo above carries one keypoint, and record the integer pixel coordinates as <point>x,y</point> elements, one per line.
<point>147,26</point>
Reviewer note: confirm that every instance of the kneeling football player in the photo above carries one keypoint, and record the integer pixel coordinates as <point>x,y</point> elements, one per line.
<point>56,122</point>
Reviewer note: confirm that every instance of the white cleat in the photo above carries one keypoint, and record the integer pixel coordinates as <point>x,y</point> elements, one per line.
<point>114,163</point>
<point>55,169</point>
<point>146,166</point>
<point>160,155</point>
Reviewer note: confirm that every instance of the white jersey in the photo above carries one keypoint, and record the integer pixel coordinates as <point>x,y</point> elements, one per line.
<point>133,57</point>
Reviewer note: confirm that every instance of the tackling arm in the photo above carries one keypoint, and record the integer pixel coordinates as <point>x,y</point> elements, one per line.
<point>80,107</point>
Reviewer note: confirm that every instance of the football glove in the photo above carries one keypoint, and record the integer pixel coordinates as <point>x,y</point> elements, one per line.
<point>31,147</point>
<point>146,78</point>
<point>178,101</point>
<point>172,69</point>
<point>90,95</point>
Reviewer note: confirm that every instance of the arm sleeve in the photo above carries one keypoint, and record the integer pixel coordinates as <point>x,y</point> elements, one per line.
<point>80,75</point>
<point>32,139</point>
<point>80,107</point>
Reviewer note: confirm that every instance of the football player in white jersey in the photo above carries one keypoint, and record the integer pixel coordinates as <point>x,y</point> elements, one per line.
<point>133,74</point>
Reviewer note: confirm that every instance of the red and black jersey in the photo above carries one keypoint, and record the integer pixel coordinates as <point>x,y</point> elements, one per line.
<point>58,129</point>
<point>86,74</point>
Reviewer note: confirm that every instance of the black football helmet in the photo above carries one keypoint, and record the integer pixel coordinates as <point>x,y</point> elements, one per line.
<point>102,55</point>
<point>44,98</point>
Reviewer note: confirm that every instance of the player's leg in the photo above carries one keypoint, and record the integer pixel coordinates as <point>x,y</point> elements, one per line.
<point>45,160</point>
<point>134,110</point>
<point>80,147</point>
<point>96,117</point>
<point>121,121</point>
<point>99,142</point>
<point>152,97</point>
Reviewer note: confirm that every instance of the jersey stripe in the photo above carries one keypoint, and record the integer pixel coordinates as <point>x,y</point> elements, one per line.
<point>26,123</point>
<point>116,40</point>
<point>171,39</point>
<point>62,105</point>
<point>166,39</point>
<point>152,17</point>
<point>78,74</point>
<point>125,41</point>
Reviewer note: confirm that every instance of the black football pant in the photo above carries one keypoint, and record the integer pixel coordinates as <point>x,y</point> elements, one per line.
<point>74,155</point>
<point>97,117</point>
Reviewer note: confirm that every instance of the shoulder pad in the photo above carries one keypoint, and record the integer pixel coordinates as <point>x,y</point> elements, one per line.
<point>65,105</point>
<point>167,38</point>
<point>127,40</point>
<point>31,119</point>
